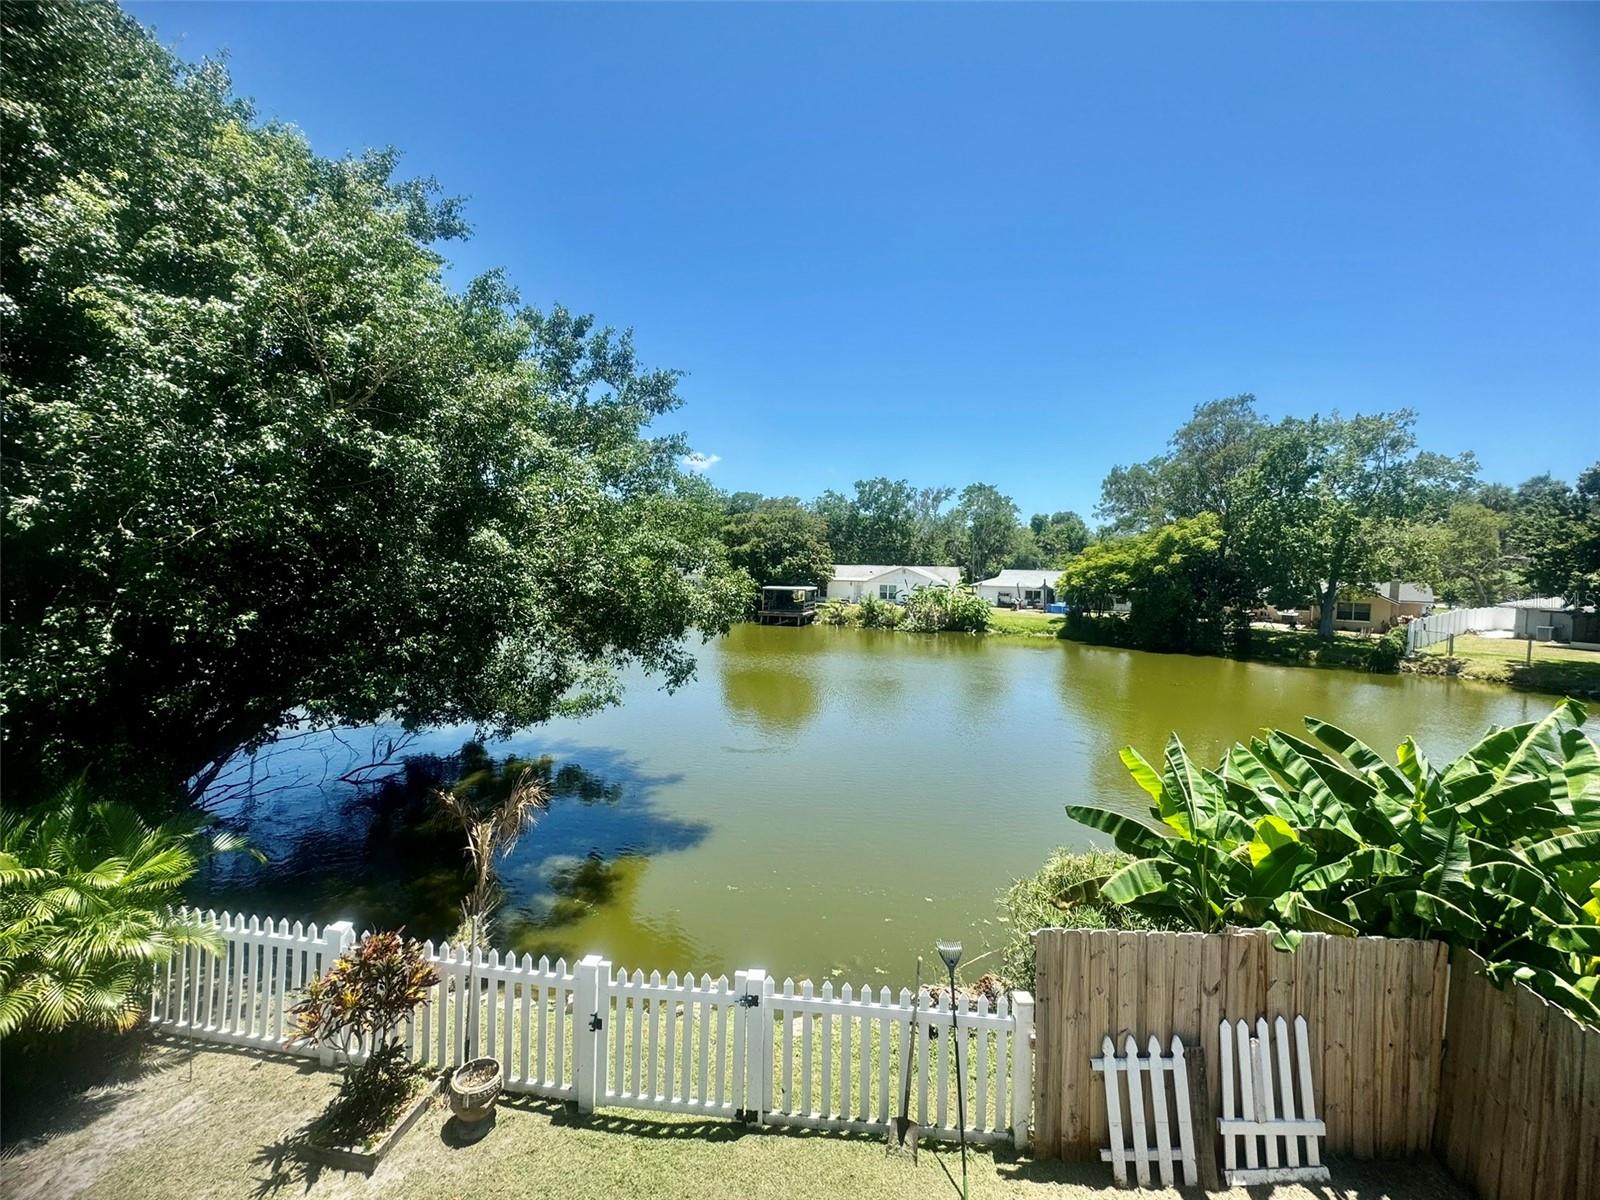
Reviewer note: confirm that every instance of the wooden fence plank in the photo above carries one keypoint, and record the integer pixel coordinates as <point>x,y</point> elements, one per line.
<point>1075,1087</point>
<point>1587,1168</point>
<point>1048,1126</point>
<point>1211,1014</point>
<point>1102,963</point>
<point>1488,1138</point>
<point>1130,983</point>
<point>1366,1059</point>
<point>1155,1001</point>
<point>1185,1015</point>
<point>1411,1048</point>
<point>1390,1136</point>
<point>1336,1012</point>
<point>1521,1086</point>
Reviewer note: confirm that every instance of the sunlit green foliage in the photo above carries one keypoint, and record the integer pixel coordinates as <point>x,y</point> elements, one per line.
<point>261,464</point>
<point>1498,851</point>
<point>779,542</point>
<point>87,896</point>
<point>1064,893</point>
<point>954,609</point>
<point>1173,577</point>
<point>876,613</point>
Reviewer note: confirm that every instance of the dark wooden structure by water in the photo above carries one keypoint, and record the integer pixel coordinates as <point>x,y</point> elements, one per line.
<point>788,604</point>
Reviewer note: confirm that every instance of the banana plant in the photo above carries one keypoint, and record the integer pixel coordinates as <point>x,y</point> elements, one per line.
<point>1498,851</point>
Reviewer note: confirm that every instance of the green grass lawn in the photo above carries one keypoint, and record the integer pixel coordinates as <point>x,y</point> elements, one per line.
<point>1006,622</point>
<point>175,1120</point>
<point>1559,670</point>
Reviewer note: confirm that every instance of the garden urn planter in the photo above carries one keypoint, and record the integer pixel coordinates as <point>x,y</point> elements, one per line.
<point>473,1088</point>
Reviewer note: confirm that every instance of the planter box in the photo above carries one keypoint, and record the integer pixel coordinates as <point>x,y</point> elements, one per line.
<point>366,1161</point>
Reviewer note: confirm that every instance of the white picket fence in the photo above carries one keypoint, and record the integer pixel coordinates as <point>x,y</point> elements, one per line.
<point>841,1059</point>
<point>602,1037</point>
<point>1142,1079</point>
<point>1254,1121</point>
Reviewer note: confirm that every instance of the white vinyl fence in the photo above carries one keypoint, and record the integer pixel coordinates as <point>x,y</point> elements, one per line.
<point>1439,627</point>
<point>602,1037</point>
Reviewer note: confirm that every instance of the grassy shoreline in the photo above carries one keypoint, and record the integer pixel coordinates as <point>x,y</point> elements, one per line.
<point>1554,670</point>
<point>1558,670</point>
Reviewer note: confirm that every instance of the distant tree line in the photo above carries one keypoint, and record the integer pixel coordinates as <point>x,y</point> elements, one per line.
<point>1237,512</point>
<point>782,539</point>
<point>1241,511</point>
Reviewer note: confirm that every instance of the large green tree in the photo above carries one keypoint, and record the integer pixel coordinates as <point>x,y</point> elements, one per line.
<point>1220,441</point>
<point>262,466</point>
<point>1172,577</point>
<point>780,542</point>
<point>878,524</point>
<point>987,528</point>
<point>1472,559</point>
<point>1332,502</point>
<point>1060,535</point>
<point>1558,530</point>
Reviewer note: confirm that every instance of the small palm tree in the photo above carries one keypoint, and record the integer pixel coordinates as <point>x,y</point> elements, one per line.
<point>492,818</point>
<point>87,896</point>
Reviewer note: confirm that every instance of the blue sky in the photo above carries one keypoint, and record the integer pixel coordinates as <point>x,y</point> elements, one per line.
<point>1010,244</point>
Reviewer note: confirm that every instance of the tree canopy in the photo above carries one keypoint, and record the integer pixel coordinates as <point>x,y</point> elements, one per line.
<point>780,542</point>
<point>1172,578</point>
<point>1307,507</point>
<point>263,466</point>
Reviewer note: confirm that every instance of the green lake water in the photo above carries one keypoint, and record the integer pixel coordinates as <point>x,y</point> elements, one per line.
<point>817,801</point>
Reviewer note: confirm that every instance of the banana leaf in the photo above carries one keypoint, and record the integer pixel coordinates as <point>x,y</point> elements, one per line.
<point>1357,752</point>
<point>1580,846</point>
<point>1133,832</point>
<point>1549,985</point>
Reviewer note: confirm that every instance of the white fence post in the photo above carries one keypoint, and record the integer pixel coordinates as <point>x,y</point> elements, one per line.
<point>1021,1069</point>
<point>337,937</point>
<point>753,1025</point>
<point>589,1000</point>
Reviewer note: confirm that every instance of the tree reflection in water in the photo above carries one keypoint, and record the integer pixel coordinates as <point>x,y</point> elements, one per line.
<point>384,854</point>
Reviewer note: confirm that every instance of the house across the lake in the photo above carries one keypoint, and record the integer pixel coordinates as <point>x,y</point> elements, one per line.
<point>852,581</point>
<point>1021,588</point>
<point>1373,610</point>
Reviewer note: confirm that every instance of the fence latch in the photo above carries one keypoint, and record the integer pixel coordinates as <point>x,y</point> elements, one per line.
<point>749,1000</point>
<point>595,1023</point>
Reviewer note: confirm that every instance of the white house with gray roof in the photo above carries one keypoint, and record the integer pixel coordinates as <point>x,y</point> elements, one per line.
<point>853,581</point>
<point>1033,587</point>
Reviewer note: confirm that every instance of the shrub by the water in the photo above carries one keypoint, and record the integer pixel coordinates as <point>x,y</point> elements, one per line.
<point>1063,893</point>
<point>947,609</point>
<point>1389,650</point>
<point>836,612</point>
<point>873,613</point>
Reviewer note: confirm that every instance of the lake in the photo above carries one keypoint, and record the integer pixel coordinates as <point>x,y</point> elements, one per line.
<point>817,801</point>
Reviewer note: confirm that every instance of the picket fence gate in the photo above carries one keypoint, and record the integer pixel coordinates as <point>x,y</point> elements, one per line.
<point>598,1036</point>
<point>1251,1114</point>
<point>1136,1071</point>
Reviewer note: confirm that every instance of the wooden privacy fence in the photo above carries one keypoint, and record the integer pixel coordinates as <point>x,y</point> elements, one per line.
<point>602,1037</point>
<point>1375,1008</point>
<point>1519,1103</point>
